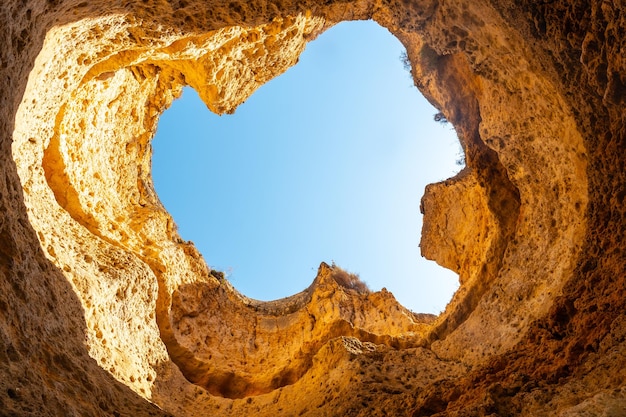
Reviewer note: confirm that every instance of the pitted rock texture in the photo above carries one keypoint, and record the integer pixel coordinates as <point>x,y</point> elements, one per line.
<point>104,310</point>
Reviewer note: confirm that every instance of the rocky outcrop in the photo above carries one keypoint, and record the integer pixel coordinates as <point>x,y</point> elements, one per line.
<point>104,310</point>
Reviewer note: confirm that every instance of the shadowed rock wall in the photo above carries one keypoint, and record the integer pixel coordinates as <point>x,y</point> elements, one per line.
<point>104,310</point>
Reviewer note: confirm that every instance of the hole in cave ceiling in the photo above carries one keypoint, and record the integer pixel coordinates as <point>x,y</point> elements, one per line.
<point>327,162</point>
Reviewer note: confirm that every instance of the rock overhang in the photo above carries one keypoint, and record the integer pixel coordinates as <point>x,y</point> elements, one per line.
<point>512,224</point>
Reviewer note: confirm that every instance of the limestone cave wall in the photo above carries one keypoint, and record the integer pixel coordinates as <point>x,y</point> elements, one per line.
<point>105,310</point>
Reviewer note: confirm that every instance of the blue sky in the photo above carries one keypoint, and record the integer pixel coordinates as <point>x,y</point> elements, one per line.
<point>327,162</point>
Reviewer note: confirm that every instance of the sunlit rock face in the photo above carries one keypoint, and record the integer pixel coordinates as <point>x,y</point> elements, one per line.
<point>104,310</point>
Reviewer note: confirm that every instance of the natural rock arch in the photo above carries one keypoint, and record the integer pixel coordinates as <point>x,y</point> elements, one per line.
<point>101,297</point>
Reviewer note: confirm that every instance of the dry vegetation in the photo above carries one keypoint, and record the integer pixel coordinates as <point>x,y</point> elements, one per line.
<point>349,280</point>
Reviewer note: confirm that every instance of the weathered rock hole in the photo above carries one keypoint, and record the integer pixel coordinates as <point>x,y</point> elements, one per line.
<point>527,128</point>
<point>326,162</point>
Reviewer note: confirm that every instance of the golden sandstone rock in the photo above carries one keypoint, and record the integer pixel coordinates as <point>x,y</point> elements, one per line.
<point>104,310</point>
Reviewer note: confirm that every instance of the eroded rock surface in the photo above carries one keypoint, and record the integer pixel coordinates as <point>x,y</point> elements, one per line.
<point>104,310</point>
